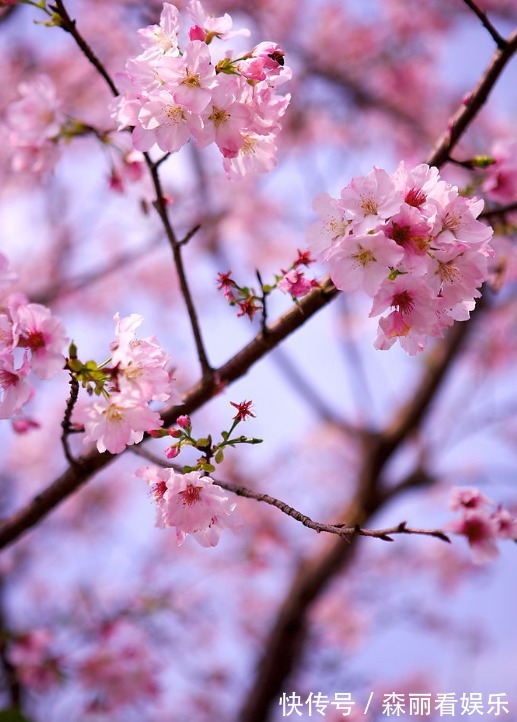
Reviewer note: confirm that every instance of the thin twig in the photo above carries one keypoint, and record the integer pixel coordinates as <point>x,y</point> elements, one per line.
<point>475,101</point>
<point>69,26</point>
<point>65,424</point>
<point>161,208</point>
<point>341,530</point>
<point>496,36</point>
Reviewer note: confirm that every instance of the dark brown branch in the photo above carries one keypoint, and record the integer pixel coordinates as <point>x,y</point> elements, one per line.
<point>496,36</point>
<point>73,478</point>
<point>66,425</point>
<point>478,97</point>
<point>69,26</point>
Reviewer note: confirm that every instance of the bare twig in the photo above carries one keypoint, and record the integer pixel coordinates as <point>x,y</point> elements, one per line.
<point>342,530</point>
<point>475,101</point>
<point>69,26</point>
<point>496,36</point>
<point>161,208</point>
<point>65,424</point>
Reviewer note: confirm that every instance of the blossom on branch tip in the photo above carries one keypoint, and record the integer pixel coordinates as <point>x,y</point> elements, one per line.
<point>192,503</point>
<point>243,410</point>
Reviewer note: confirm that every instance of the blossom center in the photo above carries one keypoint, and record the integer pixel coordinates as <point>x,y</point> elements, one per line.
<point>219,116</point>
<point>191,495</point>
<point>415,197</point>
<point>403,302</point>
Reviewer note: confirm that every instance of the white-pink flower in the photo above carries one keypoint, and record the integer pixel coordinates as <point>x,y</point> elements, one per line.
<point>16,390</point>
<point>189,77</point>
<point>119,421</point>
<point>220,27</point>
<point>141,363</point>
<point>36,329</point>
<point>192,503</point>
<point>163,38</point>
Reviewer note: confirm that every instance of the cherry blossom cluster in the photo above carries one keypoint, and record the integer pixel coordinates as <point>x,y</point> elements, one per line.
<point>138,375</point>
<point>35,122</point>
<point>172,93</point>
<point>481,523</point>
<point>31,340</point>
<point>412,242</point>
<point>292,281</point>
<point>192,503</point>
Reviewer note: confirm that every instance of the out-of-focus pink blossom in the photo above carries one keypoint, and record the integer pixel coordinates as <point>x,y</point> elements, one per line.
<point>480,529</point>
<point>468,498</point>
<point>35,122</point>
<point>31,655</point>
<point>501,178</point>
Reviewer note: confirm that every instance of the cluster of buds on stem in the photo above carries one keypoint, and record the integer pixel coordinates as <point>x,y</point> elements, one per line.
<point>291,281</point>
<point>211,453</point>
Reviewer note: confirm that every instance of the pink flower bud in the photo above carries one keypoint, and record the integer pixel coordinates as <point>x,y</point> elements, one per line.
<point>183,421</point>
<point>197,33</point>
<point>171,452</point>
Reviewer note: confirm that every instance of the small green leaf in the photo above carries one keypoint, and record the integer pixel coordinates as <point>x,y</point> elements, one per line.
<point>219,457</point>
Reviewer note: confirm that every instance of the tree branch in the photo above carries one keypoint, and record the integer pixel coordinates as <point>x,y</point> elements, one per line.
<point>69,26</point>
<point>87,465</point>
<point>344,530</point>
<point>496,36</point>
<point>475,101</point>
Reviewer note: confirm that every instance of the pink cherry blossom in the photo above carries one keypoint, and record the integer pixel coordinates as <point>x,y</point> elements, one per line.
<point>442,254</point>
<point>220,27</point>
<point>363,260</point>
<point>164,121</point>
<point>35,122</point>
<point>225,118</point>
<point>258,154</point>
<point>506,524</point>
<point>190,77</point>
<point>31,655</point>
<point>16,390</point>
<point>371,198</point>
<point>333,224</point>
<point>501,178</point>
<point>481,530</point>
<point>468,498</point>
<point>141,363</point>
<point>295,283</point>
<point>192,503</point>
<point>163,37</point>
<point>118,421</point>
<point>36,329</point>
